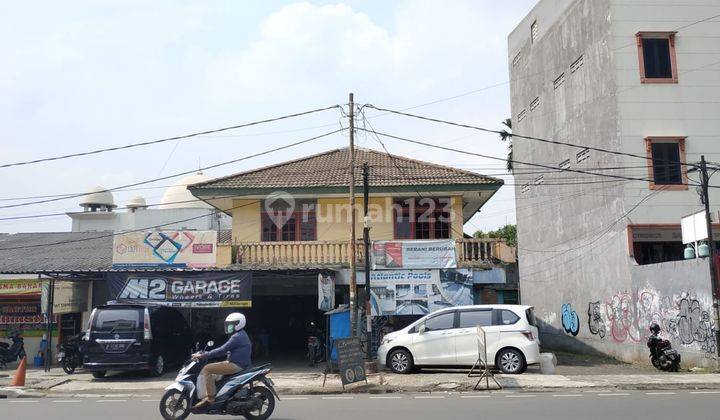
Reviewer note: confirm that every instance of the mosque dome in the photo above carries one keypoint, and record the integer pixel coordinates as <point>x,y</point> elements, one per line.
<point>179,197</point>
<point>98,197</point>
<point>136,202</point>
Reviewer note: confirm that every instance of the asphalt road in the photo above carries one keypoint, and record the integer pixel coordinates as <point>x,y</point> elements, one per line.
<point>635,405</point>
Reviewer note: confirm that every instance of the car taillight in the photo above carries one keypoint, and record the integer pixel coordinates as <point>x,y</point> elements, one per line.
<point>147,334</point>
<point>528,335</point>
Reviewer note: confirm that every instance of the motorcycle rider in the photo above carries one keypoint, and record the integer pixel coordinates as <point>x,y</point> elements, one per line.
<point>238,350</point>
<point>655,330</point>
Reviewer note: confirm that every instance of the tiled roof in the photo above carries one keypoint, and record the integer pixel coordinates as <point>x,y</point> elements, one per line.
<point>330,169</point>
<point>55,251</point>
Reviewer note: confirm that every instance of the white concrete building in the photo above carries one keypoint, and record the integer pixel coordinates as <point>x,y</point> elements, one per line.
<point>178,210</point>
<point>601,258</point>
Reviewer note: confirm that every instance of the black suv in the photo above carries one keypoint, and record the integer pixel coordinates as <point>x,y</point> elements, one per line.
<point>135,337</point>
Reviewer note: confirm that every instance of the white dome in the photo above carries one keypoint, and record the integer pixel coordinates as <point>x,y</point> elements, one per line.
<point>136,203</point>
<point>179,197</point>
<point>98,196</point>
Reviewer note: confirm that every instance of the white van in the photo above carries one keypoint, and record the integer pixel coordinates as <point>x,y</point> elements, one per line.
<point>449,337</point>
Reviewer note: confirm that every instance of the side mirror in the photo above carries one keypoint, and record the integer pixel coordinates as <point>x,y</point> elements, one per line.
<point>422,329</point>
<point>210,343</point>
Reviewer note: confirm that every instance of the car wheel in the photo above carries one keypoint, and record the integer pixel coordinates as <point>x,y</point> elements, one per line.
<point>158,367</point>
<point>98,374</point>
<point>400,361</point>
<point>510,361</point>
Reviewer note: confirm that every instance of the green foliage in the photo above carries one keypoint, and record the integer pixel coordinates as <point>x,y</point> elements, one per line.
<point>507,232</point>
<point>506,135</point>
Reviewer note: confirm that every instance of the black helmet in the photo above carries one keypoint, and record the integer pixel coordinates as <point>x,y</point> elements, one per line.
<point>655,328</point>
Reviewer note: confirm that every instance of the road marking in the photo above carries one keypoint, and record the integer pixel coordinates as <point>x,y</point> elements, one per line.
<point>65,401</point>
<point>385,398</point>
<point>520,396</point>
<point>617,394</point>
<point>428,397</point>
<point>22,401</point>
<point>104,401</point>
<point>660,393</point>
<point>705,392</point>
<point>474,396</point>
<point>294,398</point>
<point>567,395</point>
<point>337,398</point>
<point>150,400</point>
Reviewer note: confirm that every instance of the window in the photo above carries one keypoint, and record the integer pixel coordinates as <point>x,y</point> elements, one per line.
<point>426,218</point>
<point>656,53</point>
<point>533,31</point>
<point>559,81</point>
<point>575,66</point>
<point>525,188</point>
<point>516,59</point>
<point>534,104</point>
<point>666,169</point>
<point>471,319</point>
<point>280,221</point>
<point>444,321</point>
<point>508,317</point>
<point>565,164</point>
<point>521,115</point>
<point>540,180</point>
<point>582,155</point>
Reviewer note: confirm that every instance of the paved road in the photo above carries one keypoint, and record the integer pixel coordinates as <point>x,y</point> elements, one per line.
<point>655,405</point>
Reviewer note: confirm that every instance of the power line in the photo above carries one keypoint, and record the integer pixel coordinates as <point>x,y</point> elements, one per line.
<point>183,137</point>
<point>177,174</point>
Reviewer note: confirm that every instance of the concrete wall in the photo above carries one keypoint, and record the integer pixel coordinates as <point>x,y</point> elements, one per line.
<point>117,221</point>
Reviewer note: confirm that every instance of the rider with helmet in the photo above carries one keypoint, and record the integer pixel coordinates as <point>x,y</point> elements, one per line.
<point>238,349</point>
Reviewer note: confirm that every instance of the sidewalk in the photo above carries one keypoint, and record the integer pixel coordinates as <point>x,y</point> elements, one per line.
<point>288,383</point>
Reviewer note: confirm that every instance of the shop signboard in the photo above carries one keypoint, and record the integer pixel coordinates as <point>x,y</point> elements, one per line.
<point>171,248</point>
<point>351,364</point>
<point>68,297</point>
<point>19,288</point>
<point>22,316</point>
<point>190,290</point>
<point>387,255</point>
<point>418,292</point>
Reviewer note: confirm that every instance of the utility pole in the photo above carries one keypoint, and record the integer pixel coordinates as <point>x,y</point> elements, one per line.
<point>353,274</point>
<point>366,240</point>
<point>704,185</point>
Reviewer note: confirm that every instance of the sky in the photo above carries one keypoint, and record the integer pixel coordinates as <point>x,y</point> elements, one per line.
<point>84,75</point>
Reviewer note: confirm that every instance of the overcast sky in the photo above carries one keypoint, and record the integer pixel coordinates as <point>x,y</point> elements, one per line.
<point>81,75</point>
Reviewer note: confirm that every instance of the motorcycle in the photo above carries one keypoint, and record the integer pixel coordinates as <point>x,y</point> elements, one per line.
<point>662,355</point>
<point>249,393</point>
<point>10,353</point>
<point>69,354</point>
<point>315,347</point>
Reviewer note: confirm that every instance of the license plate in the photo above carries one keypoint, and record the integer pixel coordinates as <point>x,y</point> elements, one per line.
<point>115,347</point>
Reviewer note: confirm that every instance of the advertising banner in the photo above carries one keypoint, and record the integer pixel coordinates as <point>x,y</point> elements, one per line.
<point>326,293</point>
<point>418,292</point>
<point>176,249</point>
<point>9,288</point>
<point>191,290</point>
<point>22,317</point>
<point>414,254</point>
<point>69,296</point>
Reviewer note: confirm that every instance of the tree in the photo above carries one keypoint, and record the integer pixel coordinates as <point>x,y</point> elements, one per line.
<point>506,135</point>
<point>507,232</point>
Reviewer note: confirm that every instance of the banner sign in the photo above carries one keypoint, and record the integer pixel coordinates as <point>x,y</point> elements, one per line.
<point>351,360</point>
<point>68,297</point>
<point>191,290</point>
<point>418,292</point>
<point>414,254</point>
<point>22,317</point>
<point>326,293</point>
<point>19,288</point>
<point>176,249</point>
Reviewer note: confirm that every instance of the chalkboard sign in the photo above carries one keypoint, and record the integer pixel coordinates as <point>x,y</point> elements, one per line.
<point>350,360</point>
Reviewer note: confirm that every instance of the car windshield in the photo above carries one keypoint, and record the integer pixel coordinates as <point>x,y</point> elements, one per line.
<point>116,320</point>
<point>531,317</point>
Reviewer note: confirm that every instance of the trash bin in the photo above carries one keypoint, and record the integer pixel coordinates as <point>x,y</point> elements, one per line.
<point>548,361</point>
<point>38,361</point>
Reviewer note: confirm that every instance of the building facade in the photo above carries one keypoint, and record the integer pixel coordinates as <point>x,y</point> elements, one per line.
<point>601,256</point>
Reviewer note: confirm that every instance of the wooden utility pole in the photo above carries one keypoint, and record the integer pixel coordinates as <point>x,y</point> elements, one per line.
<point>353,274</point>
<point>704,186</point>
<point>366,242</point>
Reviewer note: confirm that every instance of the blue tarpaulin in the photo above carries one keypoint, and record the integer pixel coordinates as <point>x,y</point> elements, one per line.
<point>339,327</point>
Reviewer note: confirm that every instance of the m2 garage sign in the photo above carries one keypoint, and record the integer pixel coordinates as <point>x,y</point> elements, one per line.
<point>202,290</point>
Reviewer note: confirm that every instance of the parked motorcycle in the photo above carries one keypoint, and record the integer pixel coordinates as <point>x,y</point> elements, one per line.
<point>662,355</point>
<point>249,393</point>
<point>69,354</point>
<point>10,353</point>
<point>315,346</point>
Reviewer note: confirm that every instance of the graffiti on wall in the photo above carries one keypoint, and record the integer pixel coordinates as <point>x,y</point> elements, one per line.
<point>596,325</point>
<point>570,320</point>
<point>626,318</point>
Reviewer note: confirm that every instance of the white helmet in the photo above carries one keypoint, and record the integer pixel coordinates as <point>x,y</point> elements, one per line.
<point>234,322</point>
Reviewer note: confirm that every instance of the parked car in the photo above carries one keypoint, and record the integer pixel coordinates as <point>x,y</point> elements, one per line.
<point>135,337</point>
<point>449,337</point>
